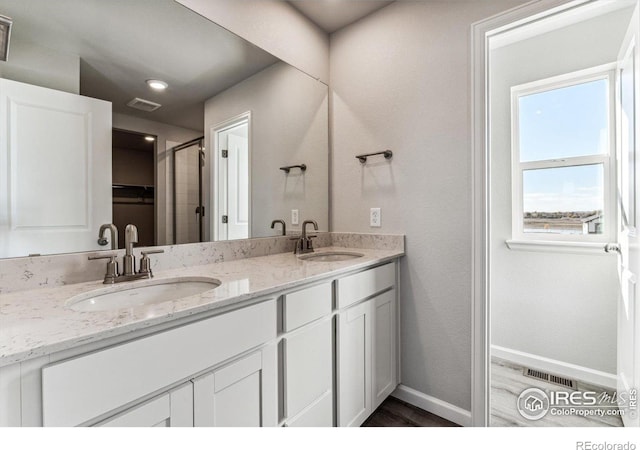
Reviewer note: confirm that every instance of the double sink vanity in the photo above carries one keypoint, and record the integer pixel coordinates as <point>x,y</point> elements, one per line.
<point>274,340</point>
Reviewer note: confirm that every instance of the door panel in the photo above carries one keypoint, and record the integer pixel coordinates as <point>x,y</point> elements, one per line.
<point>242,393</point>
<point>173,409</point>
<point>233,179</point>
<point>629,257</point>
<point>354,365</point>
<point>308,367</point>
<point>384,347</point>
<point>238,189</point>
<point>55,170</point>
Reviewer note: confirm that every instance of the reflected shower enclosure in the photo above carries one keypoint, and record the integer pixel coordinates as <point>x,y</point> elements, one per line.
<point>188,210</point>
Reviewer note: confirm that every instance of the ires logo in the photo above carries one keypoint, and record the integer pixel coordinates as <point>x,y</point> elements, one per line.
<point>576,398</point>
<point>534,403</point>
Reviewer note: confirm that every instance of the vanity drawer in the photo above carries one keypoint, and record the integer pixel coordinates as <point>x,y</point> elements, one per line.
<point>356,287</point>
<point>80,389</point>
<point>307,305</point>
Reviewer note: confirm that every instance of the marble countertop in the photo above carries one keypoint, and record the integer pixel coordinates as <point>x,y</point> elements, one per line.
<point>37,322</point>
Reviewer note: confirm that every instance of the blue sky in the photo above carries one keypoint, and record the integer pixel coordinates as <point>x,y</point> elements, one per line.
<point>563,123</point>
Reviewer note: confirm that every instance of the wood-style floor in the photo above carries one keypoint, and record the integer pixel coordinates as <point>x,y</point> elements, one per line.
<point>396,413</point>
<point>507,382</point>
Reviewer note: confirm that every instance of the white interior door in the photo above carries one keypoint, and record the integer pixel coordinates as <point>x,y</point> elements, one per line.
<point>55,170</point>
<point>233,181</point>
<point>629,257</point>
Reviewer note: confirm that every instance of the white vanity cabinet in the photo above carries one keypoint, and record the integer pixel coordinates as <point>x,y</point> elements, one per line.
<point>322,354</point>
<point>81,390</point>
<point>366,343</point>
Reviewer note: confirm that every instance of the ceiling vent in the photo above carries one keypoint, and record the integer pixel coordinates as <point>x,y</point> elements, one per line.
<point>143,105</point>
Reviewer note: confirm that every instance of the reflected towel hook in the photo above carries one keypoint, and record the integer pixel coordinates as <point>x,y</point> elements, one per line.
<point>388,154</point>
<point>287,169</point>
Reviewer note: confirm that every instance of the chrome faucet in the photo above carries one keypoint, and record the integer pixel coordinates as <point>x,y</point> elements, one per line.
<point>305,244</point>
<point>102,239</point>
<point>130,238</point>
<point>284,225</point>
<point>129,273</point>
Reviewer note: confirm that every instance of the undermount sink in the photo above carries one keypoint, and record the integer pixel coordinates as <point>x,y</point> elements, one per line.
<point>134,295</point>
<point>330,256</point>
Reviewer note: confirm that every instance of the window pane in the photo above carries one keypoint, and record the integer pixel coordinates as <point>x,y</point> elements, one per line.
<point>565,122</point>
<point>564,200</point>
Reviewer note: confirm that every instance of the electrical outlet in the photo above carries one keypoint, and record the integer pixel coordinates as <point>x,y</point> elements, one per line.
<point>374,217</point>
<point>294,217</point>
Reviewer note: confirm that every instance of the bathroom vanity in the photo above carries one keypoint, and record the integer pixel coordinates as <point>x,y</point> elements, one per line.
<point>281,341</point>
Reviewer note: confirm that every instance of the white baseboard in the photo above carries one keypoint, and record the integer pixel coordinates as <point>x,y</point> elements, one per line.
<point>436,406</point>
<point>579,373</point>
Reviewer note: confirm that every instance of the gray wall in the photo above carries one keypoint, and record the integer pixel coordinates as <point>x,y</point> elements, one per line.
<point>289,123</point>
<point>274,26</point>
<point>545,303</point>
<point>40,66</point>
<point>400,80</point>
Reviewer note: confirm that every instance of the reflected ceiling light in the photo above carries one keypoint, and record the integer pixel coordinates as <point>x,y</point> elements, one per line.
<point>149,138</point>
<point>157,85</point>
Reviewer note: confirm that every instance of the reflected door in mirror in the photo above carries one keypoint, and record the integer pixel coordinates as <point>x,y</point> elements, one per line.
<point>233,185</point>
<point>55,170</point>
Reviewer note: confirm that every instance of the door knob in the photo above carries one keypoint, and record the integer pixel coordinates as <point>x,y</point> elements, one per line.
<point>612,248</point>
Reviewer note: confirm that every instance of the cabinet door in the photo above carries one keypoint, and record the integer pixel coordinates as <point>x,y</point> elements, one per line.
<point>354,365</point>
<point>242,393</point>
<point>319,414</point>
<point>55,170</point>
<point>173,409</point>
<point>367,357</point>
<point>308,373</point>
<point>384,346</point>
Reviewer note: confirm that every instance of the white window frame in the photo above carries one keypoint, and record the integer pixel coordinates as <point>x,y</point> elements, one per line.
<point>520,239</point>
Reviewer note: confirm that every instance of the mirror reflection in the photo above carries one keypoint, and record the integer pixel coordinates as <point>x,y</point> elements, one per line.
<point>144,112</point>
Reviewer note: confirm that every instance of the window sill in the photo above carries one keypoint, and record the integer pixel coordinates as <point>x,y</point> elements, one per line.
<point>590,248</point>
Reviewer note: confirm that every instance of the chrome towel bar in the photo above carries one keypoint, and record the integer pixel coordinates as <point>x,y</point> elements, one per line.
<point>302,168</point>
<point>363,158</point>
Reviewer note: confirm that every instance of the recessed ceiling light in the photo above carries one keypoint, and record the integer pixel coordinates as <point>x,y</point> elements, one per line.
<point>157,85</point>
<point>149,138</point>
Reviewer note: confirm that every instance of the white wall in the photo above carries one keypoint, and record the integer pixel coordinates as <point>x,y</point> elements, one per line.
<point>40,66</point>
<point>400,79</point>
<point>274,26</point>
<point>289,125</point>
<point>164,132</point>
<point>554,305</point>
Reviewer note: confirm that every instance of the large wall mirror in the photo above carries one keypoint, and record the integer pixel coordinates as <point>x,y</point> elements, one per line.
<point>236,139</point>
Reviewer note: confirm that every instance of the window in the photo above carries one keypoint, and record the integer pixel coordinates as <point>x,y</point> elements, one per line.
<point>562,150</point>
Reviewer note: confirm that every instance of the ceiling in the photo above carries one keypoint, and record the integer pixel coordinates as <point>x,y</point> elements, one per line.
<point>331,15</point>
<point>122,43</point>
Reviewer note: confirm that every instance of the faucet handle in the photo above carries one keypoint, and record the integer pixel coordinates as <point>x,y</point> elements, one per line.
<point>151,252</point>
<point>145,262</point>
<point>112,256</point>
<point>112,267</point>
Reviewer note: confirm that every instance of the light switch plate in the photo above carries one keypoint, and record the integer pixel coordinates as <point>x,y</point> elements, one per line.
<point>374,217</point>
<point>294,217</point>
